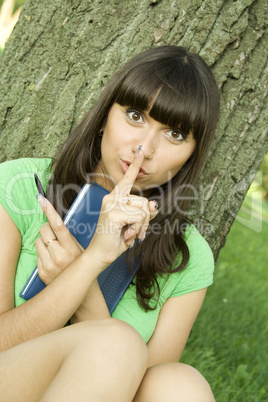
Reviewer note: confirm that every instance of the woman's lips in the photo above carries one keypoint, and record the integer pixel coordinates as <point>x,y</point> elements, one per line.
<point>125,166</point>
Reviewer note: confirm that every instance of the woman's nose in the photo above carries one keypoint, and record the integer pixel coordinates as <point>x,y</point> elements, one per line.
<point>149,146</point>
<point>148,152</point>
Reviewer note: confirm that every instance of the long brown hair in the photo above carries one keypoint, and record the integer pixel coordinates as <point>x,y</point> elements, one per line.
<point>187,97</point>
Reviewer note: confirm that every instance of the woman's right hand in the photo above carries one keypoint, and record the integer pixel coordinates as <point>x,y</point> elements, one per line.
<point>56,247</point>
<point>121,222</point>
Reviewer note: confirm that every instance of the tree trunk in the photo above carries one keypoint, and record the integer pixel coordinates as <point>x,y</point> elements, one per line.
<point>61,53</point>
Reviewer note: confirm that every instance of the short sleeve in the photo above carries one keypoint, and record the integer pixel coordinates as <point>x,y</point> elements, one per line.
<point>198,273</point>
<point>18,196</point>
<point>18,190</point>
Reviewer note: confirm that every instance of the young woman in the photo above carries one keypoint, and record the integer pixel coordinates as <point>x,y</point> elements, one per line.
<point>146,141</point>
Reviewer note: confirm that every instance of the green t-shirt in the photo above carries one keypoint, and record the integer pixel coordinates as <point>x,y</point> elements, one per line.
<point>18,197</point>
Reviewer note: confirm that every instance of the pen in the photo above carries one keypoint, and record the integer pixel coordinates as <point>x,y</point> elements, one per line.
<point>39,185</point>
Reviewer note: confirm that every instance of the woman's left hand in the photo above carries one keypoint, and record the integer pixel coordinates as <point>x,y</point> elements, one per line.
<point>56,248</point>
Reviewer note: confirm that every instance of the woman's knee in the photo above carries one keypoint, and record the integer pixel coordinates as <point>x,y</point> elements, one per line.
<point>129,345</point>
<point>126,338</point>
<point>113,339</point>
<point>196,386</point>
<point>172,382</point>
<point>117,332</point>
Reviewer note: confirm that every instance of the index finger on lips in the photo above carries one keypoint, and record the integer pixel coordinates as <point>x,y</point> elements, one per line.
<point>55,221</point>
<point>125,185</point>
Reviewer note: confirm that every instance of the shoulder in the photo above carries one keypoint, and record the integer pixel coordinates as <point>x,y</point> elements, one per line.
<point>23,166</point>
<point>20,172</point>
<point>199,249</point>
<point>198,273</point>
<point>17,176</point>
<point>17,186</point>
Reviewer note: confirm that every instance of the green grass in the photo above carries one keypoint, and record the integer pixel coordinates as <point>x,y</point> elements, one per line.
<point>229,341</point>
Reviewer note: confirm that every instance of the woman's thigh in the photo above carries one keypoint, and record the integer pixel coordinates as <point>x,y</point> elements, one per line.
<point>28,369</point>
<point>173,382</point>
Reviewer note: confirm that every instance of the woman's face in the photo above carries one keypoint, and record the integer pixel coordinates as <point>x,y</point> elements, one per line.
<point>165,149</point>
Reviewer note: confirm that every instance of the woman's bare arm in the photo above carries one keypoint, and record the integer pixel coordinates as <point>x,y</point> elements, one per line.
<point>51,308</point>
<point>175,322</point>
<point>10,240</point>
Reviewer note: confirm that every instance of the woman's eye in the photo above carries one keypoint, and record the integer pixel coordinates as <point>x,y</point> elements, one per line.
<point>134,115</point>
<point>175,135</point>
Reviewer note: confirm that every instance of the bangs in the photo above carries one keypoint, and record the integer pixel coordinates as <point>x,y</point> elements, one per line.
<point>170,90</point>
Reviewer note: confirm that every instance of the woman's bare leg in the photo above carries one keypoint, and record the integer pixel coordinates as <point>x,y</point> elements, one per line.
<point>92,361</point>
<point>173,382</point>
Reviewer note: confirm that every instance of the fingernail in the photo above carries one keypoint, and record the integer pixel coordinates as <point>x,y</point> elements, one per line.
<point>141,240</point>
<point>156,204</point>
<point>132,244</point>
<point>42,201</point>
<point>138,150</point>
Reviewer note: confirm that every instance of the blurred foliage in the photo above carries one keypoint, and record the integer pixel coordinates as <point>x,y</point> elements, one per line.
<point>264,168</point>
<point>9,14</point>
<point>260,182</point>
<point>18,4</point>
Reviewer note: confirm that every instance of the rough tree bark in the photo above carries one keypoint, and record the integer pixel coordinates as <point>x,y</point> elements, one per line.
<point>61,53</point>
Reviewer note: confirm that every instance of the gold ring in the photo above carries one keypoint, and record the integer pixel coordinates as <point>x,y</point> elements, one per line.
<point>49,241</point>
<point>129,199</point>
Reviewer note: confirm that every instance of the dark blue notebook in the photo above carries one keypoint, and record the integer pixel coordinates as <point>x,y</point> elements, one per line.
<point>81,220</point>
